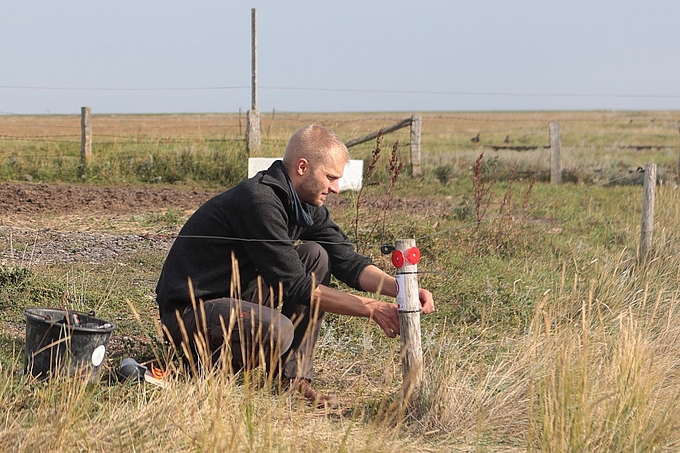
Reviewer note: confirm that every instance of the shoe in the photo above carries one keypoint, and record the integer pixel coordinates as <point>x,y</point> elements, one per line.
<point>304,386</point>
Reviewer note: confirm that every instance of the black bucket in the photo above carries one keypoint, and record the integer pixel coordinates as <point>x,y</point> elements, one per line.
<point>64,341</point>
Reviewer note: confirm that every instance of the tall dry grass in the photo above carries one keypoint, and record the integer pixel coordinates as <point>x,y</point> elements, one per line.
<point>213,413</point>
<point>596,370</point>
<point>600,379</point>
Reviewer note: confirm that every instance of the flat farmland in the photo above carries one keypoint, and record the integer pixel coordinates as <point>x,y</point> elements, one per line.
<point>550,334</point>
<point>596,145</point>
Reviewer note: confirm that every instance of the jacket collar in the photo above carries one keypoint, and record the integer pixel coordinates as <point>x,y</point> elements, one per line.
<point>276,176</point>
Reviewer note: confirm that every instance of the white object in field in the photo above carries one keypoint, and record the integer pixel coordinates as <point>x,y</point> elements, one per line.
<point>98,355</point>
<point>351,179</point>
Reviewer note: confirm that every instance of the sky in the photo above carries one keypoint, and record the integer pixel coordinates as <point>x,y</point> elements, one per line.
<point>176,56</point>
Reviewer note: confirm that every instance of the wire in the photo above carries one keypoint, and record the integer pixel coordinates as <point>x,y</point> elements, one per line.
<point>476,93</point>
<point>382,246</point>
<point>357,90</point>
<point>370,245</point>
<point>57,88</point>
<point>237,239</point>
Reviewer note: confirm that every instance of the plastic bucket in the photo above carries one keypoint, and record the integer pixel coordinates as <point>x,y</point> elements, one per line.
<point>64,342</point>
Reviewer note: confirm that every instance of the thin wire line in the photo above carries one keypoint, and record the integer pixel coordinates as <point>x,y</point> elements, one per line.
<point>460,227</point>
<point>476,93</point>
<point>372,245</point>
<point>355,90</point>
<point>58,88</point>
<point>237,239</point>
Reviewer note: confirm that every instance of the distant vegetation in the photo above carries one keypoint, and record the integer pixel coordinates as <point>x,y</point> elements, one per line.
<point>210,149</point>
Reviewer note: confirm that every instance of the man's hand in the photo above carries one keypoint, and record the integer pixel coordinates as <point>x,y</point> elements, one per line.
<point>426,301</point>
<point>375,280</point>
<point>385,314</point>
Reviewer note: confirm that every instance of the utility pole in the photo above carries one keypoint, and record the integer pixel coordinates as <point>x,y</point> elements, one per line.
<point>253,115</point>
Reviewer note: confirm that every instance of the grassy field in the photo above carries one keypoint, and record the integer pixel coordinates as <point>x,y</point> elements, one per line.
<point>550,334</point>
<point>210,149</point>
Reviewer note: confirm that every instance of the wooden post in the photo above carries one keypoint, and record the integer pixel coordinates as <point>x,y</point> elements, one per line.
<point>86,135</point>
<point>253,115</point>
<point>252,131</point>
<point>416,122</point>
<point>648,197</point>
<point>372,135</point>
<point>555,149</point>
<point>409,321</point>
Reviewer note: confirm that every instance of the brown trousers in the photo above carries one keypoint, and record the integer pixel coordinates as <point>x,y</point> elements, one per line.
<point>250,331</point>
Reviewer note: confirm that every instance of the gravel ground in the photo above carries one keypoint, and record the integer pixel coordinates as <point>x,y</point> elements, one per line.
<point>21,247</point>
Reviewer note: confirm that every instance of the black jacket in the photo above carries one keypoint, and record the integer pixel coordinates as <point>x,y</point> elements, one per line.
<point>253,221</point>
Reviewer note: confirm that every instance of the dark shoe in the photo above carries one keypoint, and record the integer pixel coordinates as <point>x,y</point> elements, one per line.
<point>304,386</point>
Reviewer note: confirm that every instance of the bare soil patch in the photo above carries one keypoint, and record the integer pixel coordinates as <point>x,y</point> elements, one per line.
<point>27,198</point>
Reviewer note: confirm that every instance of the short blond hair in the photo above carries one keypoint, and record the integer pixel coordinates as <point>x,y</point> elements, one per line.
<point>316,144</point>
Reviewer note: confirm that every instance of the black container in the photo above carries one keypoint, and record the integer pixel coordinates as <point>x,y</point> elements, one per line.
<point>64,342</point>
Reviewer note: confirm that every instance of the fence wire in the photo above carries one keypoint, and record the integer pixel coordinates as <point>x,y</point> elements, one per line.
<point>445,135</point>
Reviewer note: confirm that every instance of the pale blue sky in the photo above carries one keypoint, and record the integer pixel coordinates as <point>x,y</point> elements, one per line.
<point>356,55</point>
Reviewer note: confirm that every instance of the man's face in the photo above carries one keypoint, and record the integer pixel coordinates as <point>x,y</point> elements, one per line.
<point>320,180</point>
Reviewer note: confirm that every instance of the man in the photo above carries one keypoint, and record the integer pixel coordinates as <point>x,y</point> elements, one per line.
<point>270,239</point>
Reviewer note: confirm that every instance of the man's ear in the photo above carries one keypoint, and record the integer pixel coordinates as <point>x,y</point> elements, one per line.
<point>301,166</point>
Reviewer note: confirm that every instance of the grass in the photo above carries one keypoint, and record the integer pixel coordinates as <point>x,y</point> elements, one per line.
<point>548,335</point>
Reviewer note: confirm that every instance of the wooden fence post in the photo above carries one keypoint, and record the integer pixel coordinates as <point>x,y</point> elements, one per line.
<point>409,319</point>
<point>252,131</point>
<point>555,149</point>
<point>416,122</point>
<point>648,197</point>
<point>86,135</point>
